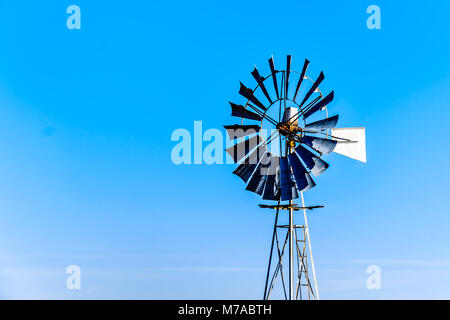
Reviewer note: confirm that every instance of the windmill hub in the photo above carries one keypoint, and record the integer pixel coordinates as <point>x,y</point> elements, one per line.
<point>289,130</point>
<point>285,129</point>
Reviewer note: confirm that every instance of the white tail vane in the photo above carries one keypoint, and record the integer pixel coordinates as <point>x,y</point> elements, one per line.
<point>355,147</point>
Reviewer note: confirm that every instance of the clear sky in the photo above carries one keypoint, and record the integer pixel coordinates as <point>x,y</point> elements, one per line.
<point>86,118</point>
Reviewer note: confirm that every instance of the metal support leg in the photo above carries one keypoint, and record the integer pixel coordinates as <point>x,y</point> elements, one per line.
<point>291,253</point>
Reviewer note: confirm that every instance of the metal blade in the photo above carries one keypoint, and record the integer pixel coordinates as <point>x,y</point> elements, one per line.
<point>238,131</point>
<point>294,192</point>
<point>319,105</point>
<point>245,171</point>
<point>311,183</point>
<point>248,93</point>
<point>240,150</point>
<point>322,145</point>
<point>241,112</point>
<point>259,177</point>
<point>305,67</point>
<point>272,188</point>
<point>274,76</point>
<point>302,178</point>
<point>324,124</point>
<point>288,189</point>
<point>248,166</point>
<point>288,72</point>
<point>260,81</point>
<point>313,88</point>
<point>316,165</point>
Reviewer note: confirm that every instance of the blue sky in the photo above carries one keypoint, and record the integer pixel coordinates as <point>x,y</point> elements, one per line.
<point>86,118</point>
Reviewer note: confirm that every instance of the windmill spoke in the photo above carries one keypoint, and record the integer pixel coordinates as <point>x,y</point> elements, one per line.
<point>262,114</point>
<point>302,111</point>
<point>328,135</point>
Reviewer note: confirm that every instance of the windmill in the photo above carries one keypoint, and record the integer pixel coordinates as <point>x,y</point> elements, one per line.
<point>288,113</point>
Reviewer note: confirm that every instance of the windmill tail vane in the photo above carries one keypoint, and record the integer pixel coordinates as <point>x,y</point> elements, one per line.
<point>292,105</point>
